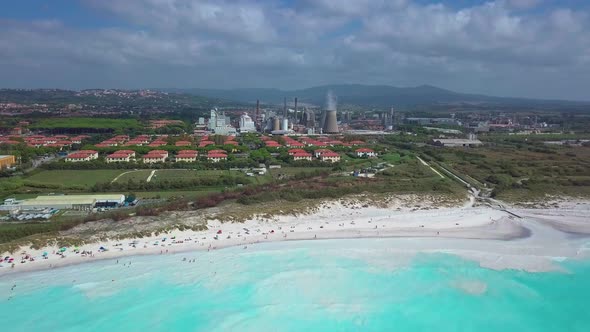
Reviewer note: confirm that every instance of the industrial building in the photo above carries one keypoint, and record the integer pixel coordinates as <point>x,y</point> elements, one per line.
<point>246,124</point>
<point>67,202</point>
<point>220,124</point>
<point>7,161</point>
<point>456,142</point>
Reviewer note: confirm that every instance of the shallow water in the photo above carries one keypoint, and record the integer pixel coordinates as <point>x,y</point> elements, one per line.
<point>338,285</point>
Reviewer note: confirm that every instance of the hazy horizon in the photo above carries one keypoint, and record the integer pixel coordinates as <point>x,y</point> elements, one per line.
<point>509,48</point>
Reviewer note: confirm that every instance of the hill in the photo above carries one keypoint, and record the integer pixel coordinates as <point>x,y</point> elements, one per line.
<point>108,98</point>
<point>381,96</point>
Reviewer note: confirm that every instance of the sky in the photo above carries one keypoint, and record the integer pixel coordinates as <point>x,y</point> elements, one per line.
<point>521,48</point>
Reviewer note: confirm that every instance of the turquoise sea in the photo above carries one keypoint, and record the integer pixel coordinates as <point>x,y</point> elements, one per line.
<point>338,285</point>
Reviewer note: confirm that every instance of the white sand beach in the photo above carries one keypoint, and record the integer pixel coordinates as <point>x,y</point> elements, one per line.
<point>496,239</point>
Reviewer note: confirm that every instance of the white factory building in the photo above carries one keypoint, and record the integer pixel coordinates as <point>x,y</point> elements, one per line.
<point>246,124</point>
<point>220,124</point>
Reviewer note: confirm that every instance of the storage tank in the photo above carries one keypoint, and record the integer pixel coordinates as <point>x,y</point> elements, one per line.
<point>285,124</point>
<point>276,125</point>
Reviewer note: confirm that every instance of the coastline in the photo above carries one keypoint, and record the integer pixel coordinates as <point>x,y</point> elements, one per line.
<point>494,238</point>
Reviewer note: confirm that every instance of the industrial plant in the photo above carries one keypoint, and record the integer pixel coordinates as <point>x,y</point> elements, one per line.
<point>291,118</point>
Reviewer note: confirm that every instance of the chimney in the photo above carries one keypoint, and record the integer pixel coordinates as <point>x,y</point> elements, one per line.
<point>285,108</point>
<point>296,110</point>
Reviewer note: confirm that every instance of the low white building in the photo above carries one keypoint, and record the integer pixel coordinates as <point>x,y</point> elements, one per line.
<point>456,142</point>
<point>362,152</point>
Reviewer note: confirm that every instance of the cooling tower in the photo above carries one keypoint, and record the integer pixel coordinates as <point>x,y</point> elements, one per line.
<point>277,124</point>
<point>331,126</point>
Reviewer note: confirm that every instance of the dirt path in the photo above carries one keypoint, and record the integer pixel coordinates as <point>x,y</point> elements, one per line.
<point>425,164</point>
<point>120,175</point>
<point>151,175</point>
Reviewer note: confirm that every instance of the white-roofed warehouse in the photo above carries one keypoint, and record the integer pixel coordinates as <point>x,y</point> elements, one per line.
<point>72,202</point>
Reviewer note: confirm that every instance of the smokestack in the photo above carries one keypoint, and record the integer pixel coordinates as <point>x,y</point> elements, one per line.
<point>296,117</point>
<point>285,108</point>
<point>323,119</point>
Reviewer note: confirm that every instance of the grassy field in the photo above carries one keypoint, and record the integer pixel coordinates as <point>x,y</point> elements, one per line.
<point>94,123</point>
<point>290,171</point>
<point>522,171</point>
<point>176,174</point>
<point>177,193</point>
<point>139,175</point>
<point>67,178</point>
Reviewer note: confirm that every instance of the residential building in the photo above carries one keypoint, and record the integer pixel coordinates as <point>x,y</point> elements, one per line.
<point>82,155</point>
<point>183,143</point>
<point>155,156</point>
<point>330,156</point>
<point>302,156</point>
<point>120,156</point>
<point>187,155</point>
<point>365,152</point>
<point>7,161</point>
<point>216,157</point>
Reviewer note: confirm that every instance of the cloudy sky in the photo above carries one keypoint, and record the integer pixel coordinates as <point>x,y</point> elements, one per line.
<point>529,48</point>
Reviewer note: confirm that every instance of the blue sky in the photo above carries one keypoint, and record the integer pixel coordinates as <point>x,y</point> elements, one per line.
<point>530,48</point>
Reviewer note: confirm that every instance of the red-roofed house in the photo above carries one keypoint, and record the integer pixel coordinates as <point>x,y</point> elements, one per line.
<point>365,152</point>
<point>183,143</point>
<point>156,143</point>
<point>294,151</point>
<point>82,155</point>
<point>302,156</point>
<point>187,155</point>
<point>9,142</point>
<point>357,142</point>
<point>216,157</point>
<point>155,156</point>
<point>118,157</point>
<point>330,156</point>
<point>318,153</point>
<point>295,144</point>
<point>205,143</point>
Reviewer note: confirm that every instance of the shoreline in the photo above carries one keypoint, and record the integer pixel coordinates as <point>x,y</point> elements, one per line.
<point>479,233</point>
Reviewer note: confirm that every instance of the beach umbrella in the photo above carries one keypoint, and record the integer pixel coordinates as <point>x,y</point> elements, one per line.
<point>45,253</point>
<point>63,249</point>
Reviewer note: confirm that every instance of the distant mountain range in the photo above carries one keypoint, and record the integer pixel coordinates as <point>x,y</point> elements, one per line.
<point>382,96</point>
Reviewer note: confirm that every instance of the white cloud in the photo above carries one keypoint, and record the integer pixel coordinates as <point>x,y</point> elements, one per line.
<point>245,42</point>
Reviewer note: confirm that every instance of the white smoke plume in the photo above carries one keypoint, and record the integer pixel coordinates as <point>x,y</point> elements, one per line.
<point>331,101</point>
